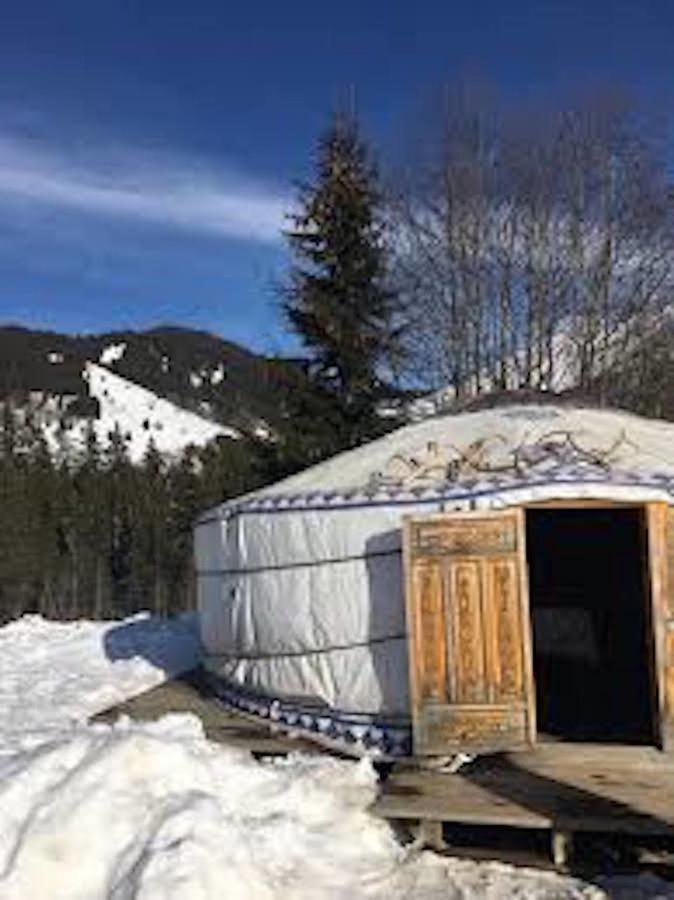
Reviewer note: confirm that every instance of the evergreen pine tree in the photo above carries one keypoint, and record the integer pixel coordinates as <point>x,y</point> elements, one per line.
<point>337,300</point>
<point>44,490</point>
<point>90,488</point>
<point>150,550</point>
<point>9,434</point>
<point>19,581</point>
<point>186,501</point>
<point>120,495</point>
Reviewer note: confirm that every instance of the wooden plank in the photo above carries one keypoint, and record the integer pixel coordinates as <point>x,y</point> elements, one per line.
<point>663,667</point>
<point>560,756</point>
<point>505,614</point>
<point>451,798</point>
<point>668,688</point>
<point>430,632</point>
<point>527,635</point>
<point>670,562</point>
<point>591,800</point>
<point>667,637</point>
<point>479,534</point>
<point>465,609</point>
<point>626,800</point>
<point>484,728</point>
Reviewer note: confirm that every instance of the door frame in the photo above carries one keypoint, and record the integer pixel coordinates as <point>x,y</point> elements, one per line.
<point>656,577</point>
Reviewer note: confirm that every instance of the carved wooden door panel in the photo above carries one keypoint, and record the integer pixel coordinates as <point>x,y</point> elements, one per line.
<point>469,638</point>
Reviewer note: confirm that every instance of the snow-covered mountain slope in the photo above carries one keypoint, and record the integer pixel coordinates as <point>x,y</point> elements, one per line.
<point>142,416</point>
<point>173,386</point>
<point>98,812</point>
<point>138,414</point>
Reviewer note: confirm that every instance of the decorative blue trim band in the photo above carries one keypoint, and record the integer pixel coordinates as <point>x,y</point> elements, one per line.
<point>354,733</point>
<point>464,491</point>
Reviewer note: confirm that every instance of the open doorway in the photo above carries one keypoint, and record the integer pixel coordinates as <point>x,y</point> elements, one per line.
<point>592,643</point>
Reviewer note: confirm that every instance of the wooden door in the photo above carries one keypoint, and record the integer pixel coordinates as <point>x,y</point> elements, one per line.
<point>660,527</point>
<point>469,637</point>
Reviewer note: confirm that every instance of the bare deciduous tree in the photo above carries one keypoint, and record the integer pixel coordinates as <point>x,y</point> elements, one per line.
<point>532,257</point>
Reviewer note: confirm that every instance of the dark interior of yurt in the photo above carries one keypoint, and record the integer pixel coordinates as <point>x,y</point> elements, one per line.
<point>588,598</point>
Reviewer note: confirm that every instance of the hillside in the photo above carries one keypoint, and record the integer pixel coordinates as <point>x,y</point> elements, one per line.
<point>175,385</point>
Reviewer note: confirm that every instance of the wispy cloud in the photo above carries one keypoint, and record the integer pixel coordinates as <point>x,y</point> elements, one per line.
<point>169,191</point>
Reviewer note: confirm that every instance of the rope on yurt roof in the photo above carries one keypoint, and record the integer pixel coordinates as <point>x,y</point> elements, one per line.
<point>433,465</point>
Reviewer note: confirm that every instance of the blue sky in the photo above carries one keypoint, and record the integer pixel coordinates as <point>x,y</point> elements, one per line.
<point>148,149</point>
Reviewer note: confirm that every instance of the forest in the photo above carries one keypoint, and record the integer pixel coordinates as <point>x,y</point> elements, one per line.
<point>93,536</point>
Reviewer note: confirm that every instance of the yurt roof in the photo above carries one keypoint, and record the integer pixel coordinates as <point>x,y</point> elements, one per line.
<point>508,443</point>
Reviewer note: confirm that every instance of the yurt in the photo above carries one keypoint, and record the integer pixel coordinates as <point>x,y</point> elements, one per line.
<point>470,583</point>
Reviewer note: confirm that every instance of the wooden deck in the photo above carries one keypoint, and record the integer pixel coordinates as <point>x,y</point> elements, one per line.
<point>182,695</point>
<point>559,788</point>
<point>563,789</point>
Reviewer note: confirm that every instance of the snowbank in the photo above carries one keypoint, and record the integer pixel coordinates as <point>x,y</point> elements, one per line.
<point>99,812</point>
<point>56,674</point>
<point>157,811</point>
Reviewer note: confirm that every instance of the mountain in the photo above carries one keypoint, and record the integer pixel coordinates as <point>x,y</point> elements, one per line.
<point>174,385</point>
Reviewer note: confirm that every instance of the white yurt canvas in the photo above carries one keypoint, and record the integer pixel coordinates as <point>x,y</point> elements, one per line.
<point>301,584</point>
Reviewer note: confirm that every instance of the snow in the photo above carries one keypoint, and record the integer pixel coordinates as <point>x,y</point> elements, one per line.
<point>54,358</point>
<point>217,376</point>
<point>140,414</point>
<point>156,811</point>
<point>112,354</point>
<point>130,407</point>
<point>70,670</point>
<point>263,431</point>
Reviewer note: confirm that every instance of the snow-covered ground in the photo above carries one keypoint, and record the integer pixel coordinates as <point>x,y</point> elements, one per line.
<point>157,811</point>
<point>57,674</point>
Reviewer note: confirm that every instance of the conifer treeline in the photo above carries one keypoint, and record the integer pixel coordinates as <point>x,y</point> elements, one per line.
<point>98,537</point>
